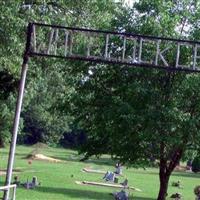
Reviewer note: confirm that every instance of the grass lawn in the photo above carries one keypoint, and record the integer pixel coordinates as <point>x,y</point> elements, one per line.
<point>58,179</point>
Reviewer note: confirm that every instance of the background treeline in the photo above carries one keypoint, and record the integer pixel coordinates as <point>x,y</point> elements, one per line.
<point>49,81</point>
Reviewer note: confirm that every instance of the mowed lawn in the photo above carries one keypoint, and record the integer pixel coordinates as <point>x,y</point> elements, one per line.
<point>58,179</point>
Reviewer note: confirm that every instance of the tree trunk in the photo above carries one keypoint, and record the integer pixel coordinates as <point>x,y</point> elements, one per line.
<point>1,142</point>
<point>166,170</point>
<point>164,180</point>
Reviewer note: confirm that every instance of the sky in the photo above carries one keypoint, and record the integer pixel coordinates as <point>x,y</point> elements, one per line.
<point>128,2</point>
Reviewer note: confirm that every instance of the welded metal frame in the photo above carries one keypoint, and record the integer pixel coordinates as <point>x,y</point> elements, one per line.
<point>17,115</point>
<point>13,187</point>
<point>29,52</point>
<point>195,45</point>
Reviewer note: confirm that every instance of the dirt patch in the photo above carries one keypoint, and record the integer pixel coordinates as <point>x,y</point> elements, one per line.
<point>44,158</point>
<point>2,173</point>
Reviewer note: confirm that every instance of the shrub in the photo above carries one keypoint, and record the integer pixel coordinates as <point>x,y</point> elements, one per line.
<point>196,164</point>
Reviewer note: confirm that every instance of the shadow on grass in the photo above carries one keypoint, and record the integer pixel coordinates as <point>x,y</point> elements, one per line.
<point>142,198</point>
<point>175,173</point>
<point>145,172</point>
<point>101,161</point>
<point>83,194</point>
<point>76,193</point>
<point>186,174</point>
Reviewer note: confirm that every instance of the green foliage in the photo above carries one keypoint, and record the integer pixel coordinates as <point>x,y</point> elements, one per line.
<point>140,114</point>
<point>130,112</point>
<point>48,80</point>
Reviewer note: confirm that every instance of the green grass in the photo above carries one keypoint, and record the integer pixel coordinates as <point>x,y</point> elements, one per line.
<point>58,179</point>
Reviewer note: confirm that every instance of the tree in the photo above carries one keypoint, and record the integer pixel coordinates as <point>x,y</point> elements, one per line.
<point>137,114</point>
<point>40,109</point>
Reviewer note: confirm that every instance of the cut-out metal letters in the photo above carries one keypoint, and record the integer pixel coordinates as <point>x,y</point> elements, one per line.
<point>114,47</point>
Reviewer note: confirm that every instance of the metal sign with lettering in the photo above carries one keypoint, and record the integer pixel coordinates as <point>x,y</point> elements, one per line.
<point>114,47</point>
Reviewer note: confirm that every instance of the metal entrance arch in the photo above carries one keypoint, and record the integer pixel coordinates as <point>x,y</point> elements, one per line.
<point>99,46</point>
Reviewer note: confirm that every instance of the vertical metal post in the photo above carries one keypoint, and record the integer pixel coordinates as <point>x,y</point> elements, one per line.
<point>71,43</point>
<point>134,51</point>
<point>140,51</point>
<point>56,40</point>
<point>124,48</point>
<point>34,39</point>
<point>177,55</point>
<point>106,46</point>
<point>14,193</point>
<point>17,114</point>
<point>15,130</point>
<point>66,42</point>
<point>50,41</point>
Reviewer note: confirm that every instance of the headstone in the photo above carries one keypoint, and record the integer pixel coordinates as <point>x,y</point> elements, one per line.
<point>125,183</point>
<point>189,165</point>
<point>35,181</point>
<point>31,185</point>
<point>118,167</point>
<point>123,195</point>
<point>176,196</point>
<point>177,184</point>
<point>109,176</point>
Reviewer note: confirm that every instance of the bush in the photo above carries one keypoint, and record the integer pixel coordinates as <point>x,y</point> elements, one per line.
<point>73,139</point>
<point>196,165</point>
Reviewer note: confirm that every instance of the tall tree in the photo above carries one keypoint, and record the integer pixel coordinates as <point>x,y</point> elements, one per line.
<point>137,114</point>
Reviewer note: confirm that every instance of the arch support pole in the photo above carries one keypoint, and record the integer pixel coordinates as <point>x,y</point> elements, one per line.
<point>17,115</point>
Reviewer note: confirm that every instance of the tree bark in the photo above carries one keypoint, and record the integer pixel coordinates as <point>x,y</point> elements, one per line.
<point>164,174</point>
<point>164,180</point>
<point>166,170</point>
